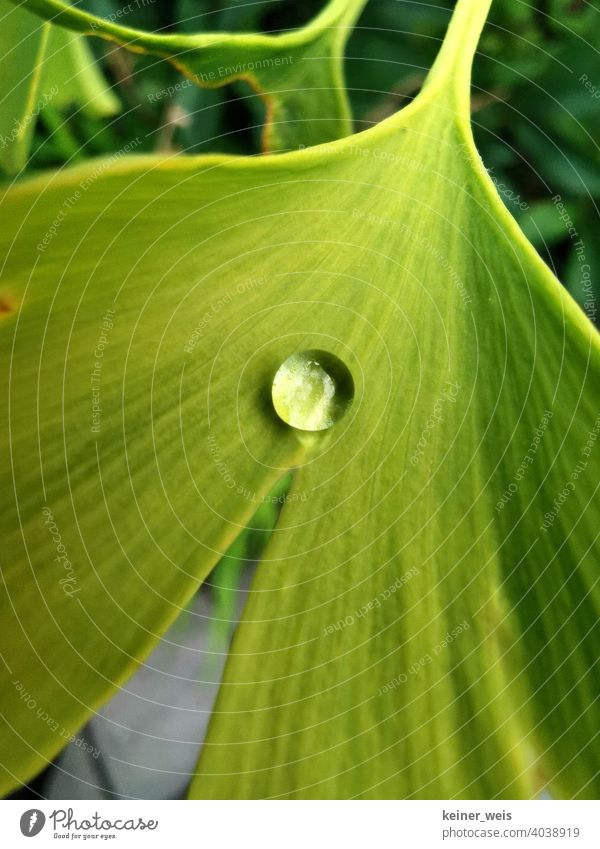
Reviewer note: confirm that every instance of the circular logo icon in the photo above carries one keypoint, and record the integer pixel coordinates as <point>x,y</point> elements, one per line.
<point>32,822</point>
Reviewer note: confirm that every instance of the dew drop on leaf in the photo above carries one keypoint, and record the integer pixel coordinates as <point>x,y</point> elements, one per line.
<point>312,390</point>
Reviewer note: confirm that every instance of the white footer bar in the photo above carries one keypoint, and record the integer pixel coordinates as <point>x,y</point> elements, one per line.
<point>298,825</point>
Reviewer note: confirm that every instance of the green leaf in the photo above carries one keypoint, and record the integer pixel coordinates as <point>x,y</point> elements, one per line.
<point>225,580</point>
<point>298,74</point>
<point>23,43</point>
<point>72,71</point>
<point>40,65</point>
<point>425,619</point>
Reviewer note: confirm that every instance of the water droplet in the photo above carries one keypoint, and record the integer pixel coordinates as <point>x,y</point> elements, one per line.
<point>312,390</point>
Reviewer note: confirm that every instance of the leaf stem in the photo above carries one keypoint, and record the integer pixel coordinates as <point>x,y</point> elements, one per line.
<point>451,71</point>
<point>337,12</point>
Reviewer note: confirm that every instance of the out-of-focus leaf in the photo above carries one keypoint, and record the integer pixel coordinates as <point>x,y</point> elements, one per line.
<point>541,224</point>
<point>225,580</point>
<point>71,70</point>
<point>583,264</point>
<point>298,74</point>
<point>579,18</point>
<point>23,42</point>
<point>41,64</point>
<point>563,168</point>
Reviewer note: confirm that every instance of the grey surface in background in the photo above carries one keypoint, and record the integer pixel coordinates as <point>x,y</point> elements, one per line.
<point>145,743</point>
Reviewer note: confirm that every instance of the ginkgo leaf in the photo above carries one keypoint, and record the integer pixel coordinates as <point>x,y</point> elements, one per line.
<point>298,74</point>
<point>425,621</point>
<point>41,64</point>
